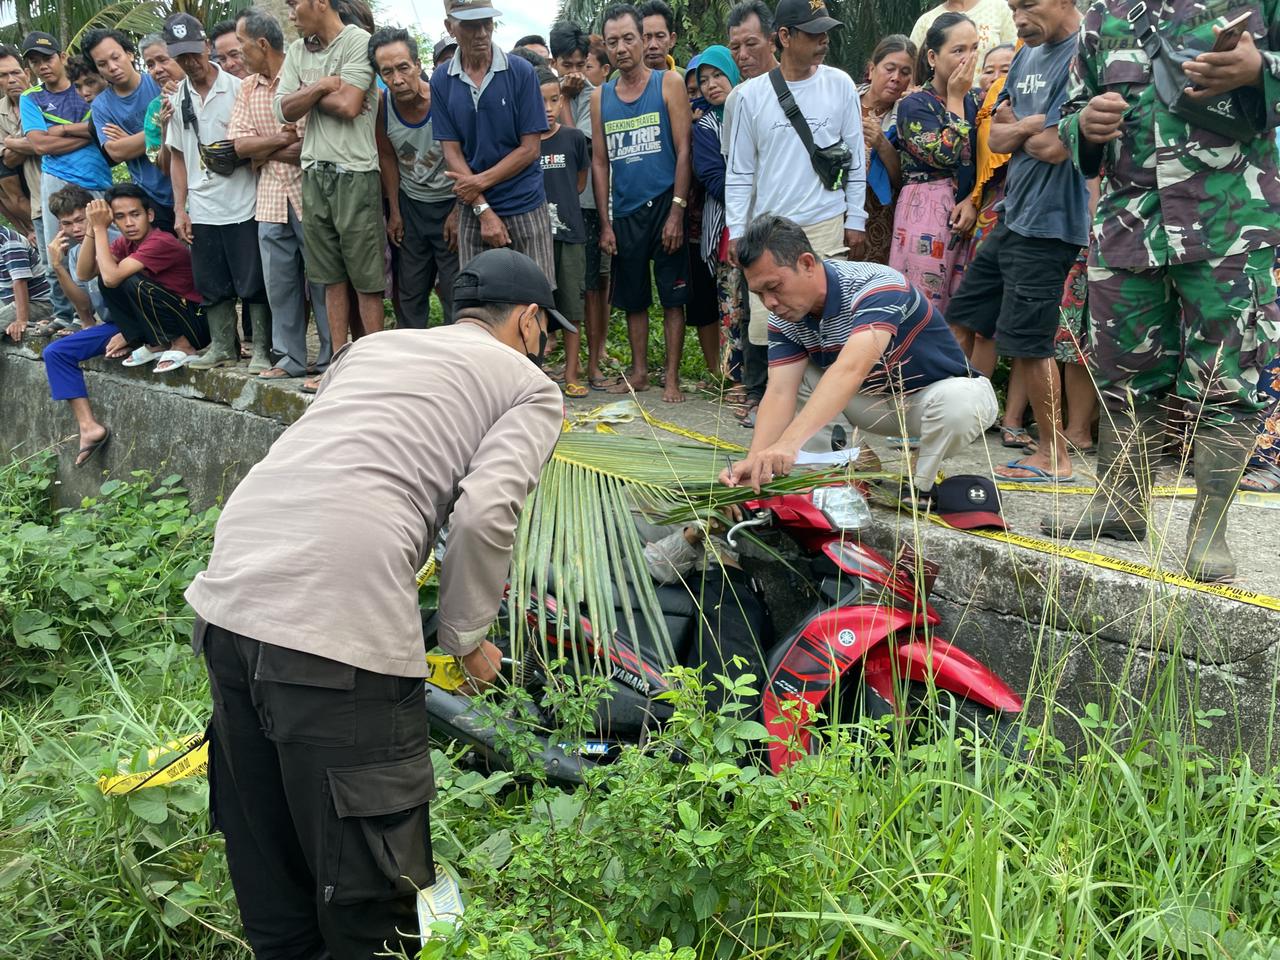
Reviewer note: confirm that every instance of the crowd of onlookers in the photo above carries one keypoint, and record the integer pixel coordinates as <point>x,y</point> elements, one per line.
<point>273,185</point>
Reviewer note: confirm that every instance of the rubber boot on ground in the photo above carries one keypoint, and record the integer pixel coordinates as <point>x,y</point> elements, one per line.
<point>221,351</point>
<point>1127,442</point>
<point>260,315</point>
<point>1221,455</point>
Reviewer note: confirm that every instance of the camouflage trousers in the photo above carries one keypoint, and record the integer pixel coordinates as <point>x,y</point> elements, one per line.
<point>1201,331</point>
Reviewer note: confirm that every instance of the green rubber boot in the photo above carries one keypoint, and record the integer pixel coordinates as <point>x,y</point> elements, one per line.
<point>221,352</point>
<point>1221,455</point>
<point>1127,442</point>
<point>261,317</point>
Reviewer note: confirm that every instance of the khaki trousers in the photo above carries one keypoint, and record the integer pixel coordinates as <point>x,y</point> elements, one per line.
<point>946,416</point>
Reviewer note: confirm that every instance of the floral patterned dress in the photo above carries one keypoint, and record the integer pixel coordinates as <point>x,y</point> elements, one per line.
<point>938,149</point>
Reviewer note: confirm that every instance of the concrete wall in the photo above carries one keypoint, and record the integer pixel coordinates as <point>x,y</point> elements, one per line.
<point>208,426</point>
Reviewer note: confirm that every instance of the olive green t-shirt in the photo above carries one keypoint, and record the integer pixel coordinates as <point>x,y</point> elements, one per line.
<point>327,138</point>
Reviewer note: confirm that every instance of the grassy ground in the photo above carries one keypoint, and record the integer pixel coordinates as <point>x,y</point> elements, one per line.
<point>877,846</point>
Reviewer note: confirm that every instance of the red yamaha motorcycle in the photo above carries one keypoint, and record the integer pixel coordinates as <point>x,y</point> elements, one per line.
<point>865,646</point>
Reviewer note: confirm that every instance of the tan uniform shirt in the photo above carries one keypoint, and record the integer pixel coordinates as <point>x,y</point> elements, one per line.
<point>318,547</point>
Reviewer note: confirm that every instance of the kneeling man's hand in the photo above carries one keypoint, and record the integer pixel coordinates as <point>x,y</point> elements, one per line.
<point>761,467</point>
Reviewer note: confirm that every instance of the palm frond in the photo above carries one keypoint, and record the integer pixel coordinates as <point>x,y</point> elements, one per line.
<point>577,533</point>
<point>126,15</point>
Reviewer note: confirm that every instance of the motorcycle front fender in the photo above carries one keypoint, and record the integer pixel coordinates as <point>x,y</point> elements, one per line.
<point>949,668</point>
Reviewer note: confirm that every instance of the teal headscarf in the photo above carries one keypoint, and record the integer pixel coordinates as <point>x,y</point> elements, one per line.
<point>720,58</point>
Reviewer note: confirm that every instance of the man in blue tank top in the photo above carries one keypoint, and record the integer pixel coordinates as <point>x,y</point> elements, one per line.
<point>642,163</point>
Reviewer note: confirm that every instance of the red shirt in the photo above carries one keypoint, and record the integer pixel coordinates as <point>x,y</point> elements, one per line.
<point>165,260</point>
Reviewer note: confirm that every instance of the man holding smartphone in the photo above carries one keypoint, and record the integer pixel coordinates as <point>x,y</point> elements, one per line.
<point>1181,293</point>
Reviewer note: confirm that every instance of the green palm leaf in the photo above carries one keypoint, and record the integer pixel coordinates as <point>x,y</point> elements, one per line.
<point>577,533</point>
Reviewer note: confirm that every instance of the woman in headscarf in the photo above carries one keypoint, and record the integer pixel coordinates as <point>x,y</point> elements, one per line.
<point>934,214</point>
<point>717,75</point>
<point>888,79</point>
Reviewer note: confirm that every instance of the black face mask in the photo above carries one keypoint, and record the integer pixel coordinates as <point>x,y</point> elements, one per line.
<point>536,358</point>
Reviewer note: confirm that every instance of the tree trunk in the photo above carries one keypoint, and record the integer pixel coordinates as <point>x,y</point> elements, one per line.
<point>280,10</point>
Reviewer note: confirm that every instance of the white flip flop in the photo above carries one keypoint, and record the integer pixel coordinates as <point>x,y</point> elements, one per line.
<point>141,357</point>
<point>175,359</point>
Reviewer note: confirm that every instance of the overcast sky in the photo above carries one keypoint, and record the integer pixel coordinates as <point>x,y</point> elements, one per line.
<point>520,17</point>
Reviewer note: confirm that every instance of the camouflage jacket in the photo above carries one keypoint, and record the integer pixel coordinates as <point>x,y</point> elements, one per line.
<point>1172,193</point>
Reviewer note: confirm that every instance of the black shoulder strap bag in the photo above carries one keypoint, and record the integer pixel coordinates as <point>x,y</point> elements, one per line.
<point>832,163</point>
<point>219,157</point>
<point>1236,114</point>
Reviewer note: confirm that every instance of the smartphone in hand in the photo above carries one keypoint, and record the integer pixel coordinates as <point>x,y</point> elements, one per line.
<point>1230,34</point>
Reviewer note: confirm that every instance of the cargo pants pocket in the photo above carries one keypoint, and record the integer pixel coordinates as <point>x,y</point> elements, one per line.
<point>377,844</point>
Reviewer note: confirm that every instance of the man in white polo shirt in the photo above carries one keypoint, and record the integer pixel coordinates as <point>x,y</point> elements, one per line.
<point>215,197</point>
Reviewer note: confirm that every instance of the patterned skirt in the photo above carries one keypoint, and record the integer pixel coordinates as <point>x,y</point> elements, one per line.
<point>1073,317</point>
<point>729,297</point>
<point>924,249</point>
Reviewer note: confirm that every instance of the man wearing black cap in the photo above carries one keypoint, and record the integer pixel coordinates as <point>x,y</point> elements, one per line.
<point>54,120</point>
<point>769,168</point>
<point>320,769</point>
<point>444,50</point>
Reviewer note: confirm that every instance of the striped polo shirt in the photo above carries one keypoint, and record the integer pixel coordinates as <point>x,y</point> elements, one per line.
<point>862,296</point>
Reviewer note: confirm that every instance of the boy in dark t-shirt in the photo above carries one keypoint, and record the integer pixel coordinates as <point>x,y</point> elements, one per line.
<point>565,166</point>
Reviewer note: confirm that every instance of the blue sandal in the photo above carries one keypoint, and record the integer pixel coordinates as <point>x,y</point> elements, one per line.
<point>1037,474</point>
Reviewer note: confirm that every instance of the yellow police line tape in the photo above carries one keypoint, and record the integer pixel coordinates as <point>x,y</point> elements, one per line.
<point>1056,549</point>
<point>1251,498</point>
<point>192,752</point>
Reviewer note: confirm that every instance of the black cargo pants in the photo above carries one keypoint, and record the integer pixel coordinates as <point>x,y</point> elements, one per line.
<point>319,777</point>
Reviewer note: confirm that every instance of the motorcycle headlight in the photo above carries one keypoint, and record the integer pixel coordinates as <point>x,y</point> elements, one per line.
<point>844,506</point>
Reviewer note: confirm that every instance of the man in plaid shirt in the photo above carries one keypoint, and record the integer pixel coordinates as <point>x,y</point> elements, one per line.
<point>276,151</point>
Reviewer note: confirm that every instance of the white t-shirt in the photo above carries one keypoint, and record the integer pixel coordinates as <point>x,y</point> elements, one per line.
<point>766,154</point>
<point>212,199</point>
<point>992,18</point>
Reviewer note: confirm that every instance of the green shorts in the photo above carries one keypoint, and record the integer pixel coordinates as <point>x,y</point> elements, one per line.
<point>342,227</point>
<point>571,272</point>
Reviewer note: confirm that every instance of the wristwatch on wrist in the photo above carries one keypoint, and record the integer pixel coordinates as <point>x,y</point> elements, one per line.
<point>479,208</point>
<point>680,202</point>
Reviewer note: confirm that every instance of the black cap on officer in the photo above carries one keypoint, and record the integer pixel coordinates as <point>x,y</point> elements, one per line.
<point>506,276</point>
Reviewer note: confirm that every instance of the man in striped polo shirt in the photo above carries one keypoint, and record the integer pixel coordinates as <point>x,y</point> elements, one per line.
<point>854,340</point>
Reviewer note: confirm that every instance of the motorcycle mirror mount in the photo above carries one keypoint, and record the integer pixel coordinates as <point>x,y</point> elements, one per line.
<point>761,519</point>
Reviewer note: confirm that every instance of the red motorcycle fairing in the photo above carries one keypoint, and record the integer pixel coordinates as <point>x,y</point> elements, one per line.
<point>823,651</point>
<point>835,640</point>
<point>627,664</point>
<point>952,669</point>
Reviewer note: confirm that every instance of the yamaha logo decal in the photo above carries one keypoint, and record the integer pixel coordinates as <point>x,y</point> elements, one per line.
<point>846,638</point>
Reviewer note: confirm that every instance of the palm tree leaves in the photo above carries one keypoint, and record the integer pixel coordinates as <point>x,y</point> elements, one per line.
<point>577,535</point>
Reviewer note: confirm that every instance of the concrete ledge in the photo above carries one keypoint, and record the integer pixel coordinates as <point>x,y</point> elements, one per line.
<point>1075,633</point>
<point>210,426</point>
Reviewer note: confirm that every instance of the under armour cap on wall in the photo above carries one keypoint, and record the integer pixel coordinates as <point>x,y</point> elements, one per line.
<point>968,501</point>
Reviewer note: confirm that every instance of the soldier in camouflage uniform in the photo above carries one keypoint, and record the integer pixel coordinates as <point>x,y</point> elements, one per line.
<point>1181,294</point>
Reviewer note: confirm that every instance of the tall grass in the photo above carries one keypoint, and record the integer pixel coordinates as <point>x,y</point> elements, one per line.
<point>884,843</point>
